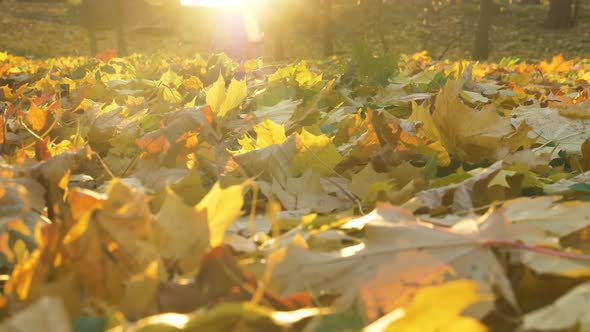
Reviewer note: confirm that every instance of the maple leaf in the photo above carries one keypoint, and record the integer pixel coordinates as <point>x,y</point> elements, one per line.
<point>474,135</point>
<point>425,314</point>
<point>36,116</point>
<point>315,152</point>
<point>460,196</point>
<point>367,183</point>
<point>111,243</point>
<point>306,192</point>
<point>221,206</point>
<point>565,313</point>
<point>554,131</point>
<point>278,113</point>
<point>267,134</point>
<point>221,101</point>
<point>185,232</point>
<point>397,248</point>
<point>46,314</point>
<point>270,162</point>
<point>171,79</point>
<point>224,317</point>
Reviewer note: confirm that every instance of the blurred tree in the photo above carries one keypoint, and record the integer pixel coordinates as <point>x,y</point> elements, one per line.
<point>119,15</point>
<point>94,13</point>
<point>561,14</point>
<point>481,47</point>
<point>328,27</point>
<point>280,16</point>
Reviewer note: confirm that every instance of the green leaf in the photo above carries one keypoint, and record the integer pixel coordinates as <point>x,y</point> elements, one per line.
<point>581,187</point>
<point>430,169</point>
<point>171,79</point>
<point>349,320</point>
<point>88,324</point>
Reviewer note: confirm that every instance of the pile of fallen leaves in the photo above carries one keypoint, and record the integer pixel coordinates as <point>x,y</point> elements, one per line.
<point>153,193</point>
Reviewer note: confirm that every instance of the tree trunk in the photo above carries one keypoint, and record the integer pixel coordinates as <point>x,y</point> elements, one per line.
<point>560,15</point>
<point>327,28</point>
<point>481,48</point>
<point>91,26</point>
<point>119,21</point>
<point>577,9</point>
<point>379,26</point>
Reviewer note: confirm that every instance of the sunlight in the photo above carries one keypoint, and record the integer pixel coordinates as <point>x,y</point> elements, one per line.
<point>247,8</point>
<point>218,3</point>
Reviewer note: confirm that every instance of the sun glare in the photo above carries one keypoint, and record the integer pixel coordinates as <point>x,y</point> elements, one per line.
<point>217,3</point>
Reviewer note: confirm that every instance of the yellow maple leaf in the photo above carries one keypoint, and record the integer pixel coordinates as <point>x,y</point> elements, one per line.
<point>426,313</point>
<point>36,116</point>
<point>472,134</point>
<point>316,152</point>
<point>221,101</point>
<point>267,134</point>
<point>222,207</point>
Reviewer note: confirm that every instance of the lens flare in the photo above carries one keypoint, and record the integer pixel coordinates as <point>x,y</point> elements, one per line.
<point>218,3</point>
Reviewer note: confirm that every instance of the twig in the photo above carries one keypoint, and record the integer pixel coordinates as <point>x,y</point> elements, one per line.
<point>104,165</point>
<point>38,137</point>
<point>538,250</point>
<point>450,44</point>
<point>272,211</point>
<point>252,218</point>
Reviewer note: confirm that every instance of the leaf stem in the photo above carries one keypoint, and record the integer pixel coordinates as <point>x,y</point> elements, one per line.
<point>538,250</point>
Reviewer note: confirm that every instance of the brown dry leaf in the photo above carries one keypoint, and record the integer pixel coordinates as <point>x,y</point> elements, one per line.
<point>183,232</point>
<point>576,111</point>
<point>394,253</point>
<point>542,221</point>
<point>278,113</point>
<point>306,193</point>
<point>521,138</point>
<point>552,129</point>
<point>110,244</point>
<point>174,125</point>
<point>140,292</point>
<point>270,162</point>
<point>461,196</point>
<point>367,181</point>
<point>46,314</point>
<point>568,312</point>
<point>157,177</point>
<point>474,135</point>
<point>54,168</point>
<point>421,113</point>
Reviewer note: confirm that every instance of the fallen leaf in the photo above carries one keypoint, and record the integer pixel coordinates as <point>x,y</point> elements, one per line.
<point>473,135</point>
<point>565,313</point>
<point>221,207</point>
<point>46,314</point>
<point>424,313</point>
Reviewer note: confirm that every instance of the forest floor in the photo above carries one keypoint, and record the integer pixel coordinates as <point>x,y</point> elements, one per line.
<point>52,29</point>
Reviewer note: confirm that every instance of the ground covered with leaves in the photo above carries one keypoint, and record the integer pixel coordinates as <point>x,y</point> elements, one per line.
<point>154,193</point>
